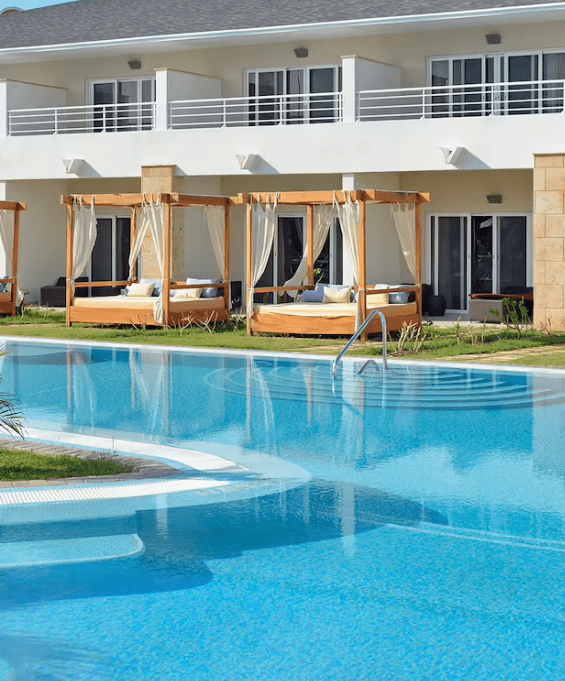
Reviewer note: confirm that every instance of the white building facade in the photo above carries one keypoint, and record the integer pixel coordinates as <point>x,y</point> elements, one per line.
<point>457,104</point>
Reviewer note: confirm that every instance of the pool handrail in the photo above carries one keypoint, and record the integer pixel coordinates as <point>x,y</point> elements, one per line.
<point>356,336</point>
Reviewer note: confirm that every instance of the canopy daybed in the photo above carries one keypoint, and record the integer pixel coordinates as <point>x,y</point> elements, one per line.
<point>151,216</point>
<point>334,318</point>
<point>10,296</point>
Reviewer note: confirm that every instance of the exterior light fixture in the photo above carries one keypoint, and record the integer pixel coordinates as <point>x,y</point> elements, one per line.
<point>301,52</point>
<point>493,38</point>
<point>451,156</point>
<point>73,165</point>
<point>494,198</point>
<point>134,64</point>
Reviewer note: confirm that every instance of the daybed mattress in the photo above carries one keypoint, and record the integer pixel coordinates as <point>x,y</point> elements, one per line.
<point>333,309</point>
<point>147,302</point>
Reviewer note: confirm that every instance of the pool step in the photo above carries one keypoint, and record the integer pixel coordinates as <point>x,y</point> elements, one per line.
<point>66,551</point>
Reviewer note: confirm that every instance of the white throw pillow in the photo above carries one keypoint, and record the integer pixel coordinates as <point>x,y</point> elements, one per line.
<point>188,293</point>
<point>337,295</point>
<point>378,298</point>
<point>140,290</point>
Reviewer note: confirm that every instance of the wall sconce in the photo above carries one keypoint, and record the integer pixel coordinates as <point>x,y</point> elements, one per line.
<point>72,165</point>
<point>247,161</point>
<point>493,38</point>
<point>134,64</point>
<point>451,155</point>
<point>301,52</point>
<point>494,198</point>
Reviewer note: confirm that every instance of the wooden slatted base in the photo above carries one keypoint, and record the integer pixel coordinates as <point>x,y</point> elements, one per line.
<point>324,326</point>
<point>140,317</point>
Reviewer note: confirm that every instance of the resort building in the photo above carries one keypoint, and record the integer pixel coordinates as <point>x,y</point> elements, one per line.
<point>223,98</point>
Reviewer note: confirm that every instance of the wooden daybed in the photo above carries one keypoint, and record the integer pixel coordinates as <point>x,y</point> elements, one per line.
<point>335,318</point>
<point>9,299</point>
<point>141,310</point>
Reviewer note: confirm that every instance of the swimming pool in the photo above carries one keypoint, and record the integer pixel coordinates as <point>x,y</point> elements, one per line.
<point>407,525</point>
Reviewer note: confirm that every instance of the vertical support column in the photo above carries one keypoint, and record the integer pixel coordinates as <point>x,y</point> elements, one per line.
<point>227,264</point>
<point>310,227</point>
<point>4,109</point>
<point>167,264</point>
<point>418,237</point>
<point>249,250</point>
<point>348,88</point>
<point>161,99</point>
<point>363,263</point>
<point>70,239</point>
<point>15,253</point>
<point>133,232</point>
<point>549,242</point>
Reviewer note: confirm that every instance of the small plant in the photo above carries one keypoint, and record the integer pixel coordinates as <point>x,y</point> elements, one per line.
<point>411,339</point>
<point>515,317</point>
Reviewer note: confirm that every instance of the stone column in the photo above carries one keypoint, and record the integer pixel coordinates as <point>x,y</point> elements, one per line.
<point>549,242</point>
<point>161,179</point>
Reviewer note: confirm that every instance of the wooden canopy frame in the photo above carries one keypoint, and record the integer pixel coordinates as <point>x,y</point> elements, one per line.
<point>112,315</point>
<point>288,324</point>
<point>9,299</point>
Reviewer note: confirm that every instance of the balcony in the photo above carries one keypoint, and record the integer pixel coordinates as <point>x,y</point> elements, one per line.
<point>456,101</point>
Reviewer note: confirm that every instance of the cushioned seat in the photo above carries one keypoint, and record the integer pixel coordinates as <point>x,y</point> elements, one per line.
<point>56,296</point>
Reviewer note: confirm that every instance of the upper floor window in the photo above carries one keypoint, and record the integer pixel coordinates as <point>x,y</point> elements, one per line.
<point>294,95</point>
<point>126,104</point>
<point>499,84</point>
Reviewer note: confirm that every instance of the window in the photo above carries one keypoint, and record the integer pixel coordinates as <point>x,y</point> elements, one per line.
<point>504,84</point>
<point>293,96</point>
<point>123,104</point>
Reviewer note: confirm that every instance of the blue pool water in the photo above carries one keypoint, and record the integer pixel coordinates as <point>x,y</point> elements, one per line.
<point>418,533</point>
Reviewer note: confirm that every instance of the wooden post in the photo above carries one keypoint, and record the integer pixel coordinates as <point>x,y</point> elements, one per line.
<point>133,232</point>
<point>418,237</point>
<point>227,265</point>
<point>249,221</point>
<point>363,264</point>
<point>310,214</point>
<point>70,239</point>
<point>167,264</point>
<point>15,252</point>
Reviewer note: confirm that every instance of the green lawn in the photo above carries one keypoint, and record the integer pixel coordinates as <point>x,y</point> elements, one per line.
<point>430,343</point>
<point>17,465</point>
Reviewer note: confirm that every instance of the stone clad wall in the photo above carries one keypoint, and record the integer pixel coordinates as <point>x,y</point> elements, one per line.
<point>161,179</point>
<point>549,242</point>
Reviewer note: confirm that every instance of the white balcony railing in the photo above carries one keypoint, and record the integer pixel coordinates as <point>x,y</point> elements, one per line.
<point>250,111</point>
<point>492,99</point>
<point>76,119</point>
<point>489,99</point>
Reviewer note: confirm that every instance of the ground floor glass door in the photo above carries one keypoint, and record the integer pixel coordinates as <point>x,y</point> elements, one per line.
<point>478,254</point>
<point>110,256</point>
<point>287,252</point>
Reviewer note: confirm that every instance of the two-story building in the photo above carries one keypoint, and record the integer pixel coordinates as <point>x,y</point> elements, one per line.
<point>461,100</point>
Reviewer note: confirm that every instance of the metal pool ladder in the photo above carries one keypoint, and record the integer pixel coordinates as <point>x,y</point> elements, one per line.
<point>356,336</point>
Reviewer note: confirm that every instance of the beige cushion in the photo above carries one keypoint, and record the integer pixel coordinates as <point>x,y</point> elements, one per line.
<point>190,293</point>
<point>337,295</point>
<point>140,290</point>
<point>378,298</point>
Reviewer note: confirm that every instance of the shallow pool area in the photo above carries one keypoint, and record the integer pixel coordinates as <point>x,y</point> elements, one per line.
<point>407,524</point>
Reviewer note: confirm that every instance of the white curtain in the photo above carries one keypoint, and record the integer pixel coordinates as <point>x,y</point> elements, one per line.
<point>215,218</point>
<point>84,237</point>
<point>7,237</point>
<point>404,215</point>
<point>323,216</point>
<point>153,221</point>
<point>349,215</point>
<point>263,233</point>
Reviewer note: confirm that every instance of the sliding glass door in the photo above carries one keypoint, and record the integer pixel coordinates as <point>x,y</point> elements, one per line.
<point>478,254</point>
<point>110,255</point>
<point>123,104</point>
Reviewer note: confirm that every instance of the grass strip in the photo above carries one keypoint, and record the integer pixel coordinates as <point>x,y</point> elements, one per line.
<point>18,465</point>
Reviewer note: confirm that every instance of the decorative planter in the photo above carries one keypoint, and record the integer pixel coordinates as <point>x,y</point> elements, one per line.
<point>436,306</point>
